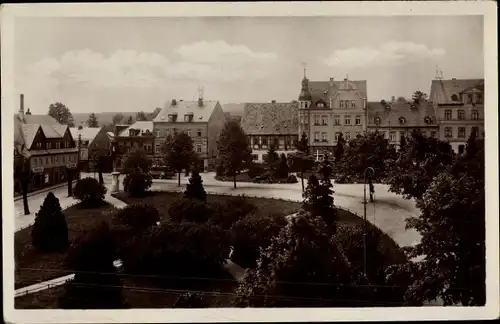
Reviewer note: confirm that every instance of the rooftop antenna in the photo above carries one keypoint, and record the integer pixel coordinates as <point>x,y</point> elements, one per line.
<point>304,64</point>
<point>200,92</point>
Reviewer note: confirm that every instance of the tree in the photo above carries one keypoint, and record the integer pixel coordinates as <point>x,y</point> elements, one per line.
<point>141,116</point>
<point>155,113</point>
<point>90,192</point>
<point>272,158</point>
<point>23,174</point>
<point>92,121</point>
<point>130,120</point>
<point>471,148</point>
<point>282,169</point>
<point>339,148</point>
<point>452,225</point>
<point>402,143</point>
<point>179,153</point>
<point>418,163</point>
<point>50,231</point>
<point>61,113</point>
<point>194,189</point>
<point>137,217</point>
<point>302,267</point>
<point>117,119</point>
<point>137,159</point>
<point>324,203</point>
<point>96,284</point>
<point>419,96</point>
<point>99,158</point>
<point>137,182</point>
<point>301,161</point>
<point>234,152</point>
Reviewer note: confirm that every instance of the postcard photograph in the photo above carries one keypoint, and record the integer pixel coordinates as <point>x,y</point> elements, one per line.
<point>277,162</point>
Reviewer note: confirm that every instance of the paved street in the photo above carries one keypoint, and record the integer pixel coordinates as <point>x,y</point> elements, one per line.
<point>388,213</point>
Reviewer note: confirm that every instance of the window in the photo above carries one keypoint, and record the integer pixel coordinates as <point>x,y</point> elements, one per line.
<point>149,148</point>
<point>337,119</point>
<point>428,120</point>
<point>255,157</point>
<point>353,104</point>
<point>198,148</point>
<point>157,133</point>
<point>188,133</point>
<point>475,131</point>
<point>324,137</point>
<point>402,120</point>
<point>347,119</point>
<point>337,136</point>
<point>172,118</point>
<point>377,120</point>
<point>58,145</point>
<point>433,134</point>
<point>264,140</point>
<point>461,114</point>
<point>324,120</point>
<point>461,149</point>
<point>454,97</point>
<point>316,136</point>
<point>347,104</point>
<point>316,119</point>
<point>52,160</point>
<point>305,104</point>
<point>188,117</point>
<point>198,133</point>
<point>320,105</point>
<point>448,132</point>
<point>342,104</point>
<point>447,114</point>
<point>39,145</point>
<point>347,136</point>
<point>479,98</point>
<point>46,160</point>
<point>49,145</point>
<point>474,115</point>
<point>358,120</point>
<point>157,148</point>
<point>392,136</point>
<point>461,132</point>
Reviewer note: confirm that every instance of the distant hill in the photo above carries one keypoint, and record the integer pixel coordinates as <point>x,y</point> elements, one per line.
<point>107,117</point>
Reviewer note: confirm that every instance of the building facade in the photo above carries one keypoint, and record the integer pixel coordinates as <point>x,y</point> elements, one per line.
<point>48,145</point>
<point>92,140</point>
<point>201,120</point>
<point>269,124</point>
<point>139,135</point>
<point>459,108</point>
<point>328,108</point>
<point>396,119</point>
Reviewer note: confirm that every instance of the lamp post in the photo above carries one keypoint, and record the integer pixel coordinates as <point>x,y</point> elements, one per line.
<point>364,216</point>
<point>115,187</point>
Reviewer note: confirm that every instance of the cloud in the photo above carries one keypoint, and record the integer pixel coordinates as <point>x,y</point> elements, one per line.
<point>387,54</point>
<point>200,62</point>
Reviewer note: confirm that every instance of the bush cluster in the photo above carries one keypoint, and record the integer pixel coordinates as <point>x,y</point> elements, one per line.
<point>137,216</point>
<point>90,192</point>
<point>137,183</point>
<point>189,210</point>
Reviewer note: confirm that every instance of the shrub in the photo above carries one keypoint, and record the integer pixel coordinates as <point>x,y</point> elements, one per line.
<point>96,284</point>
<point>234,209</point>
<point>256,169</point>
<point>137,183</point>
<point>191,300</point>
<point>190,210</point>
<point>178,249</point>
<point>50,231</point>
<point>194,189</point>
<point>250,234</point>
<point>137,216</point>
<point>90,192</point>
<point>291,179</point>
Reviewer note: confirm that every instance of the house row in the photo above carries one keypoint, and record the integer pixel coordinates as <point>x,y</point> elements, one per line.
<point>325,109</point>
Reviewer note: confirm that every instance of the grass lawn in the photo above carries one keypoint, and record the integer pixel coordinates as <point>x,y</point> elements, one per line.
<point>163,200</point>
<point>32,266</point>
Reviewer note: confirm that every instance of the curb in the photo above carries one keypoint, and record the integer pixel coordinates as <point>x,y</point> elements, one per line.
<point>34,193</point>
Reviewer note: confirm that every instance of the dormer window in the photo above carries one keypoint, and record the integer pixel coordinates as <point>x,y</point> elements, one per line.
<point>172,118</point>
<point>188,117</point>
<point>377,120</point>
<point>428,120</point>
<point>320,105</point>
<point>402,120</point>
<point>388,107</point>
<point>454,97</point>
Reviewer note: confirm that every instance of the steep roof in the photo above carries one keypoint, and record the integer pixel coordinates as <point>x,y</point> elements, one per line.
<point>323,89</point>
<point>181,108</point>
<point>390,117</point>
<point>142,126</point>
<point>25,132</point>
<point>29,133</point>
<point>87,133</point>
<point>38,119</point>
<point>270,118</point>
<point>442,90</point>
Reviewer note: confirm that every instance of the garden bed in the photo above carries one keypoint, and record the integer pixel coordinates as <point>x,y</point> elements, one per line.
<point>32,266</point>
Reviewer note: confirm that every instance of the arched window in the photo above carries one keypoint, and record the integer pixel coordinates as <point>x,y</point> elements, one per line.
<point>428,120</point>
<point>402,120</point>
<point>377,120</point>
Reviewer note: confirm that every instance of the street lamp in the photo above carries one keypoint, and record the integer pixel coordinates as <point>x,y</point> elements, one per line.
<point>364,216</point>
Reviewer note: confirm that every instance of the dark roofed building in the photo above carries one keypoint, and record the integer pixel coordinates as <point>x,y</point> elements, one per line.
<point>271,124</point>
<point>397,119</point>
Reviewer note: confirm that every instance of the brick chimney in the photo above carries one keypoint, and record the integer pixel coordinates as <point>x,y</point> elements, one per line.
<point>21,109</point>
<point>273,101</point>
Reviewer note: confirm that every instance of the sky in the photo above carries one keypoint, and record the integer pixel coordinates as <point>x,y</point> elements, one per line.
<point>137,64</point>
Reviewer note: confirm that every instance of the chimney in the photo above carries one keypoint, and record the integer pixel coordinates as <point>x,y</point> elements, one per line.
<point>21,109</point>
<point>200,102</point>
<point>393,98</point>
<point>28,112</point>
<point>273,101</point>
<point>331,83</point>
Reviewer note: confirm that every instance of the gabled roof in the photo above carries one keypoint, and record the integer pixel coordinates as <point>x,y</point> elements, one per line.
<point>29,133</point>
<point>391,117</point>
<point>443,90</point>
<point>200,114</point>
<point>87,133</point>
<point>270,118</point>
<point>323,89</point>
<point>38,119</point>
<point>142,126</point>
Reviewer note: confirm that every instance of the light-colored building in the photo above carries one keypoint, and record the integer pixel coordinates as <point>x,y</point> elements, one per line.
<point>202,120</point>
<point>138,135</point>
<point>400,118</point>
<point>328,108</point>
<point>48,145</point>
<point>459,108</point>
<point>269,124</point>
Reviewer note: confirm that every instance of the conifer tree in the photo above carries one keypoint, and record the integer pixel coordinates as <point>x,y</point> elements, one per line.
<point>326,207</point>
<point>96,284</point>
<point>194,189</point>
<point>50,231</point>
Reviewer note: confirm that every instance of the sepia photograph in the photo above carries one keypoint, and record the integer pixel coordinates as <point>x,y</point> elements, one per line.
<point>249,162</point>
